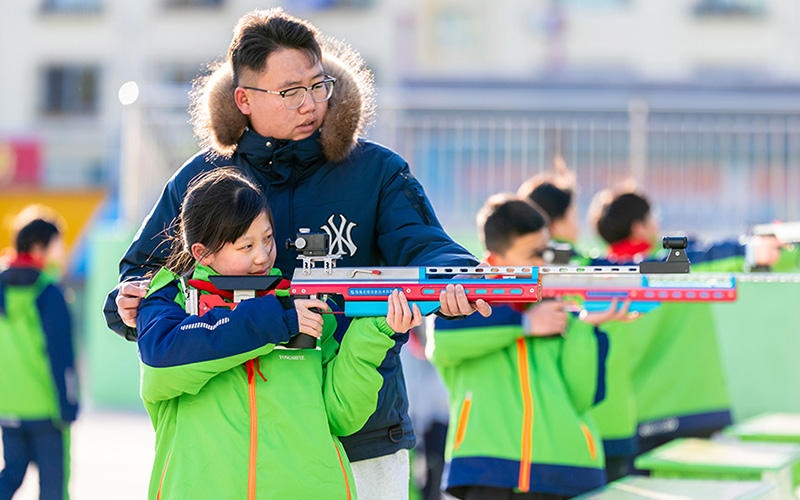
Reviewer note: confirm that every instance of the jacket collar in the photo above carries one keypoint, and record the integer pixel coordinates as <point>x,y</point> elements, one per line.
<point>27,260</point>
<point>277,158</point>
<point>202,272</point>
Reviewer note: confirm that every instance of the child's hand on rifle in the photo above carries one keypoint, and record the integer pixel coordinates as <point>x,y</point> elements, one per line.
<point>454,302</point>
<point>546,318</point>
<point>613,313</point>
<point>309,321</point>
<point>400,317</point>
<point>766,250</point>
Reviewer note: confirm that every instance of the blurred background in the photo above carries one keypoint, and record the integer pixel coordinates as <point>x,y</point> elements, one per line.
<point>697,100</point>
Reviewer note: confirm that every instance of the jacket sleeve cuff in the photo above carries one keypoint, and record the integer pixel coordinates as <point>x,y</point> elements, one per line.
<point>384,327</point>
<point>291,321</point>
<point>113,319</point>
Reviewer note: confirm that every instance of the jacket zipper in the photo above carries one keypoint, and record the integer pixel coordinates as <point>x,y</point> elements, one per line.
<point>527,416</point>
<point>463,417</point>
<point>251,471</point>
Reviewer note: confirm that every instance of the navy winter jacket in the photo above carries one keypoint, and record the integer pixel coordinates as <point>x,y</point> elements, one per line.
<point>375,211</point>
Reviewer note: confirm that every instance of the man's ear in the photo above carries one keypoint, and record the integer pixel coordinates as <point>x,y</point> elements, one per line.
<point>242,99</point>
<point>199,252</point>
<point>490,258</point>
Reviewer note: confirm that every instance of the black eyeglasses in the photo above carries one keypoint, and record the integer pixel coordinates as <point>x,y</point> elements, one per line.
<point>294,97</point>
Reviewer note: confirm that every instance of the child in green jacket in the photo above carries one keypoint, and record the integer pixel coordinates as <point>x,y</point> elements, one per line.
<point>520,382</point>
<point>237,414</point>
<point>38,385</point>
<point>665,371</point>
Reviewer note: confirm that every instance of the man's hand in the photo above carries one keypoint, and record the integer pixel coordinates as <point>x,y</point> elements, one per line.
<point>767,250</point>
<point>454,302</point>
<point>130,295</point>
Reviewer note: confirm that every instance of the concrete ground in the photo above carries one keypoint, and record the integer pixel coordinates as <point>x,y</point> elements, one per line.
<point>112,453</point>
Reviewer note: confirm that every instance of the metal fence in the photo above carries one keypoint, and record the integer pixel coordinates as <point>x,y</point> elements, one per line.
<point>709,174</point>
<point>711,171</point>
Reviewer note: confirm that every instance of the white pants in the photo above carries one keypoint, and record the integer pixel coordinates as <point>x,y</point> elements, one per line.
<point>382,478</point>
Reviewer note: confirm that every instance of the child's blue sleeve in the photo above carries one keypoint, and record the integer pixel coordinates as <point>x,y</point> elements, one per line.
<point>57,327</point>
<point>179,353</point>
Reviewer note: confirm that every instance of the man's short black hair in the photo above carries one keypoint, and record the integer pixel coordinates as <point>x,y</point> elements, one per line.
<point>36,232</point>
<point>505,217</point>
<point>618,215</point>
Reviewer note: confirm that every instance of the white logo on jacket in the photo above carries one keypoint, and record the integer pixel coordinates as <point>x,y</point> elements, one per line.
<point>341,235</point>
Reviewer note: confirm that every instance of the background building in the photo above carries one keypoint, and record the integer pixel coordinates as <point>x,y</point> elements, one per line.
<point>659,90</point>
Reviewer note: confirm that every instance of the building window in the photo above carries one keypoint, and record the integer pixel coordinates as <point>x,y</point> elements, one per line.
<point>745,8</point>
<point>177,73</point>
<point>71,6</point>
<point>70,90</point>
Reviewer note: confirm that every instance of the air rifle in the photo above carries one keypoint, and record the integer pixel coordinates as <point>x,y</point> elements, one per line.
<point>364,290</point>
<point>596,292</point>
<point>785,232</point>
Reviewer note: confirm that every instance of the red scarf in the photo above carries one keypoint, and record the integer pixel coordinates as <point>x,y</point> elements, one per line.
<point>629,251</point>
<point>27,260</point>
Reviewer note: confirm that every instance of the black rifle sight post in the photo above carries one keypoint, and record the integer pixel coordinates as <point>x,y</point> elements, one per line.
<point>677,261</point>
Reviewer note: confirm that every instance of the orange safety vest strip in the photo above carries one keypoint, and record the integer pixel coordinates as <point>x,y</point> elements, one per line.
<point>251,473</point>
<point>589,441</point>
<point>463,417</point>
<point>527,416</point>
<point>163,473</point>
<point>344,470</point>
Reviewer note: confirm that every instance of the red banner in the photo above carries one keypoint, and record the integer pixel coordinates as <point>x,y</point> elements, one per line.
<point>20,162</point>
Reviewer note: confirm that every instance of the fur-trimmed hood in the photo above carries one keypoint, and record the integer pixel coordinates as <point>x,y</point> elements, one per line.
<point>219,124</point>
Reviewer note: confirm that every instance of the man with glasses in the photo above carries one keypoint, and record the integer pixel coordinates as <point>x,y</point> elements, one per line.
<point>290,114</point>
<point>294,97</point>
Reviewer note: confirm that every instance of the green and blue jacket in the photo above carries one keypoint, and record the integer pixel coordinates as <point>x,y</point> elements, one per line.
<point>647,358</point>
<point>518,404</point>
<point>37,374</point>
<point>677,377</point>
<point>236,414</point>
